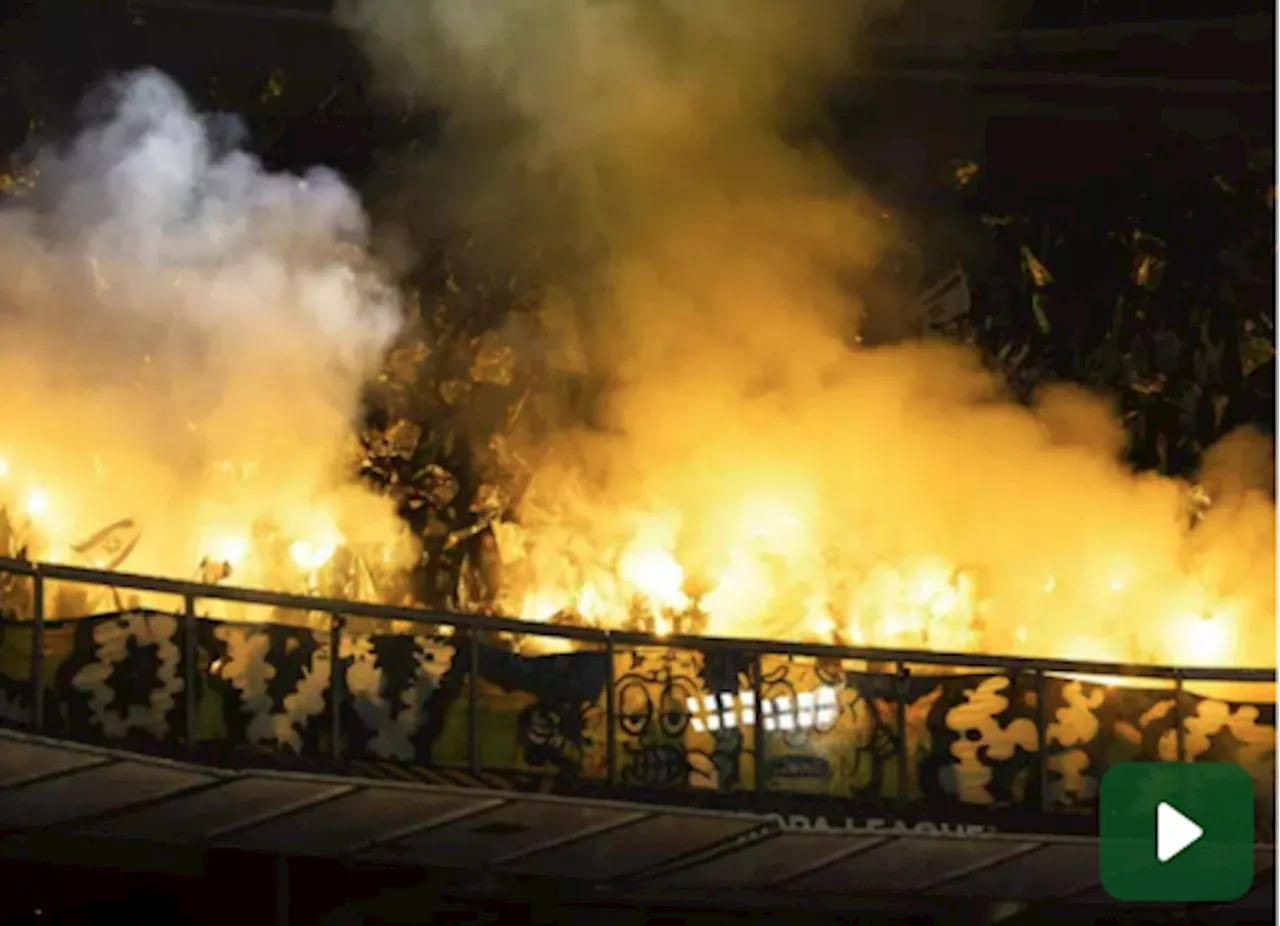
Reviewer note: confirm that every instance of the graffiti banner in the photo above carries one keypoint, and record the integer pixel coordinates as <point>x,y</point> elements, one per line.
<point>646,718</point>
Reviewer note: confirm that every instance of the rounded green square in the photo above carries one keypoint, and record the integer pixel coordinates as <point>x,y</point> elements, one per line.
<point>1199,813</point>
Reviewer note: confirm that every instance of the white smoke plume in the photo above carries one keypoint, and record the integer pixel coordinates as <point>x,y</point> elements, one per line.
<point>183,340</point>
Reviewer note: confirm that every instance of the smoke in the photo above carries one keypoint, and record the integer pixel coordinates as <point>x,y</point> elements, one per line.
<point>185,339</point>
<point>653,154</point>
<point>749,452</point>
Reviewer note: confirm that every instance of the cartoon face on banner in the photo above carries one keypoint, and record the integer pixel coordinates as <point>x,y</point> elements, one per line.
<point>535,713</point>
<point>554,728</point>
<point>659,743</point>
<point>818,728</point>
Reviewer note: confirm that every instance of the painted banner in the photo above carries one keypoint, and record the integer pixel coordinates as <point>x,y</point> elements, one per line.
<point>720,721</point>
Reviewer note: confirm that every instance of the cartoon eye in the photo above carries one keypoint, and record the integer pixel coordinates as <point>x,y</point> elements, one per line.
<point>674,718</point>
<point>542,725</point>
<point>674,714</point>
<point>634,708</point>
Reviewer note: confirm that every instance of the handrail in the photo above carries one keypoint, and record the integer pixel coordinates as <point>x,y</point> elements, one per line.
<point>602,637</point>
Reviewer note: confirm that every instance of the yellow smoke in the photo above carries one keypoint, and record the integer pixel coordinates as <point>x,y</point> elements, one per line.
<point>748,461</point>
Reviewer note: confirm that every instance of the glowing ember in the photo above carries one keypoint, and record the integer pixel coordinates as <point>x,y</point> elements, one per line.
<point>37,503</point>
<point>312,555</point>
<point>655,576</point>
<point>229,548</point>
<point>1205,639</point>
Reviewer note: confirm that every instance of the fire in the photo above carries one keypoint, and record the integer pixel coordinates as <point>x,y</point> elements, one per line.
<point>762,572</point>
<point>1205,639</point>
<point>317,545</point>
<point>770,573</point>
<point>540,608</point>
<point>655,576</point>
<point>37,503</point>
<point>311,555</point>
<point>231,548</point>
<point>42,520</point>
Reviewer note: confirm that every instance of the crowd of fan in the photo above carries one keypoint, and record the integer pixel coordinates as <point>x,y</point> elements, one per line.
<point>1157,291</point>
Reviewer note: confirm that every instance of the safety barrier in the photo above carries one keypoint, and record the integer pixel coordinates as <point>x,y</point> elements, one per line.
<point>180,666</point>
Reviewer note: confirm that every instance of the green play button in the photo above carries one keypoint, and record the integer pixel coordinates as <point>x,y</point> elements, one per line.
<point>1177,831</point>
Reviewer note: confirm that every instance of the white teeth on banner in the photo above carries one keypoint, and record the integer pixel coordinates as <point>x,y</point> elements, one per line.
<point>808,710</point>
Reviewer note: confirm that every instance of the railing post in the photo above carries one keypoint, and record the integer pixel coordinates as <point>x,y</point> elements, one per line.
<point>1042,739</point>
<point>189,668</point>
<point>37,650</point>
<point>904,778</point>
<point>335,684</point>
<point>473,699</point>
<point>1177,715</point>
<point>611,711</point>
<point>762,753</point>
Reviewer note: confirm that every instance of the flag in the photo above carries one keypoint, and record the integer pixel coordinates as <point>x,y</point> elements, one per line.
<point>109,547</point>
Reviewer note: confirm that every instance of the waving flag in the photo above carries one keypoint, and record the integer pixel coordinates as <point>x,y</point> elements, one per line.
<point>109,547</point>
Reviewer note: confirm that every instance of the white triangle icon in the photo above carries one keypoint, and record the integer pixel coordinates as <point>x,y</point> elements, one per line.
<point>1175,831</point>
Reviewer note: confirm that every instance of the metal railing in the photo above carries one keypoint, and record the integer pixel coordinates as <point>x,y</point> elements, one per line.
<point>897,662</point>
<point>335,607</point>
